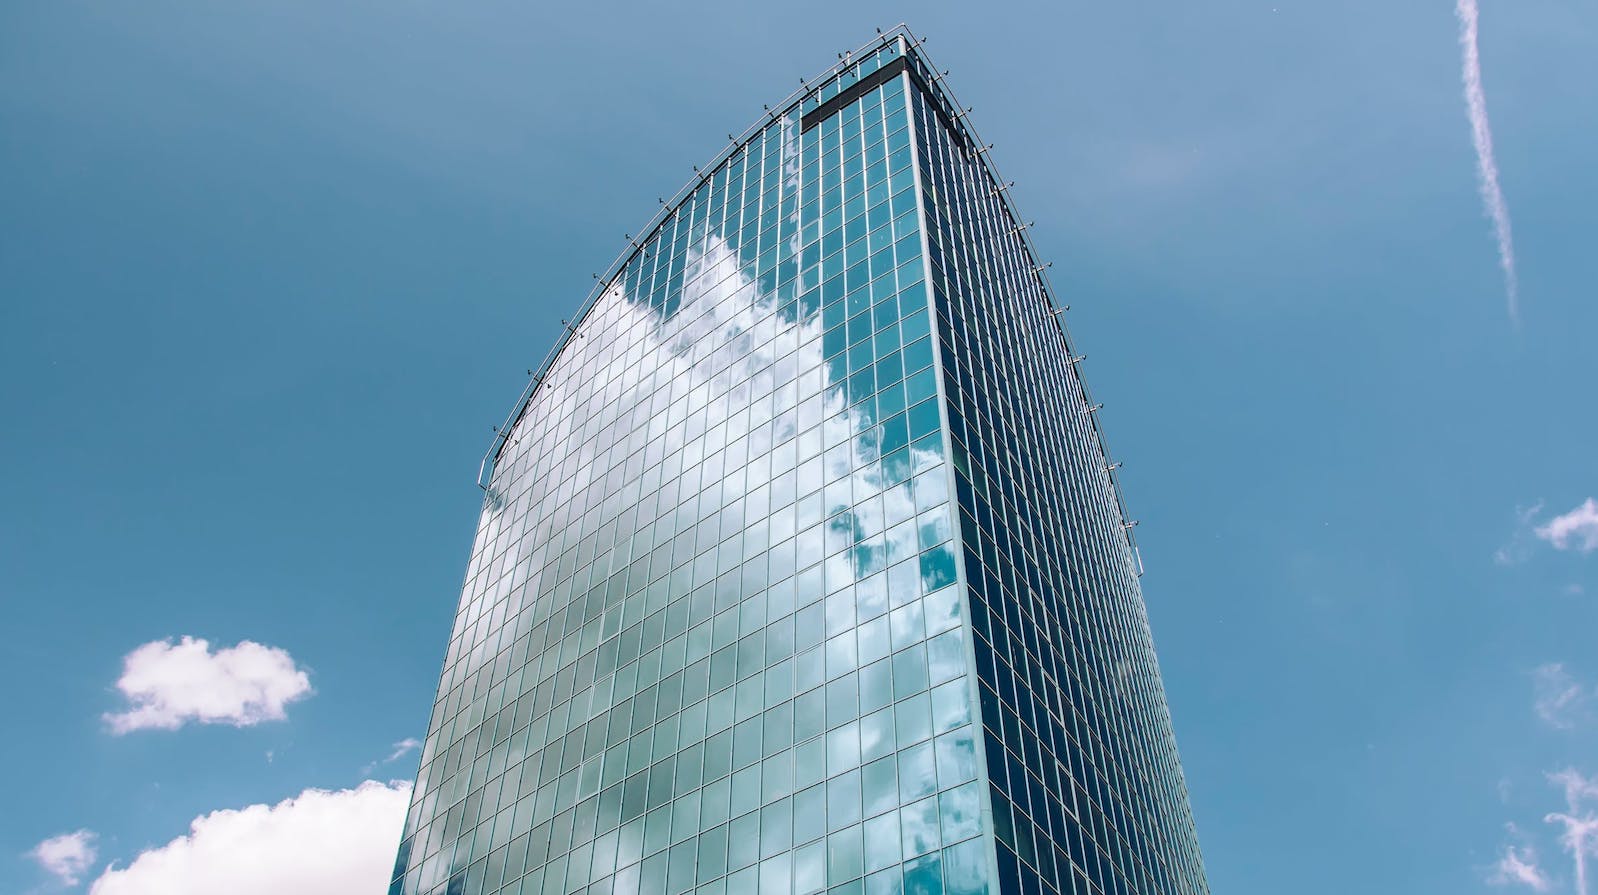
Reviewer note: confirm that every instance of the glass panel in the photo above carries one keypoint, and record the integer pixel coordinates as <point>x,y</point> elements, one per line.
<point>716,624</point>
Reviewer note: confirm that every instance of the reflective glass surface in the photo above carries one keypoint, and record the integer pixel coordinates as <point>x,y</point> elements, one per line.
<point>1087,791</point>
<point>711,638</point>
<point>736,612</point>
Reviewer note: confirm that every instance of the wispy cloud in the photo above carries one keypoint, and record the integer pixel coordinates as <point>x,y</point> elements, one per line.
<point>1575,530</point>
<point>1518,866</point>
<point>401,749</point>
<point>171,684</point>
<point>1560,699</point>
<point>67,856</point>
<point>1580,826</point>
<point>1519,548</point>
<point>1492,194</point>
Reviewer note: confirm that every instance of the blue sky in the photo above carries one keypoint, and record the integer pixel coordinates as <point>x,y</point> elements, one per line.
<point>270,273</point>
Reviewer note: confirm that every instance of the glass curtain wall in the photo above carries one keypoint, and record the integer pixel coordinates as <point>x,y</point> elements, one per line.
<point>711,638</point>
<point>1086,787</point>
<point>800,568</point>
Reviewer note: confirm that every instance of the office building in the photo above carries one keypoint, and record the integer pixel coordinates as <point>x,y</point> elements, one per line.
<point>802,567</point>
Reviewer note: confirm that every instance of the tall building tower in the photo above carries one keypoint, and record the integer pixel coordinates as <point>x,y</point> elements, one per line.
<point>802,568</point>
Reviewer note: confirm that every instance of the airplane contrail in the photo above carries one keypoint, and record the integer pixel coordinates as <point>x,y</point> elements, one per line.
<point>1492,195</point>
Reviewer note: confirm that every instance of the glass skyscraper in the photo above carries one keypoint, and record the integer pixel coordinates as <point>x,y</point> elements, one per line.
<point>802,568</point>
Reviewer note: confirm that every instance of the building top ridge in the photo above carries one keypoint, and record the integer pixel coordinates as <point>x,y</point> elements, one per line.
<point>802,100</point>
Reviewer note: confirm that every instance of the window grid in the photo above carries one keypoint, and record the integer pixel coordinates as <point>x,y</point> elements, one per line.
<point>709,638</point>
<point>1086,788</point>
<point>789,480</point>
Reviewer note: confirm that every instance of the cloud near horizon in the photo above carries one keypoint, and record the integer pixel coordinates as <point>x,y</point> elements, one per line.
<point>67,856</point>
<point>168,685</point>
<point>319,842</point>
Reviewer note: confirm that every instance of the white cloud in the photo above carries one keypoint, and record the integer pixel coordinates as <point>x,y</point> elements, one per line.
<point>168,685</point>
<point>1481,131</point>
<point>317,843</point>
<point>403,748</point>
<point>1559,698</point>
<point>1519,548</point>
<point>1519,867</point>
<point>1575,530</point>
<point>400,750</point>
<point>726,344</point>
<point>1580,827</point>
<point>67,856</point>
<point>1578,788</point>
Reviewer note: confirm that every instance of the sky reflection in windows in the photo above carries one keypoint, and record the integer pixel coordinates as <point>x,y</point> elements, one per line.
<point>708,639</point>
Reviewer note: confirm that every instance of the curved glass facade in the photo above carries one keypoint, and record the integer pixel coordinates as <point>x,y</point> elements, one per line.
<point>799,569</point>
